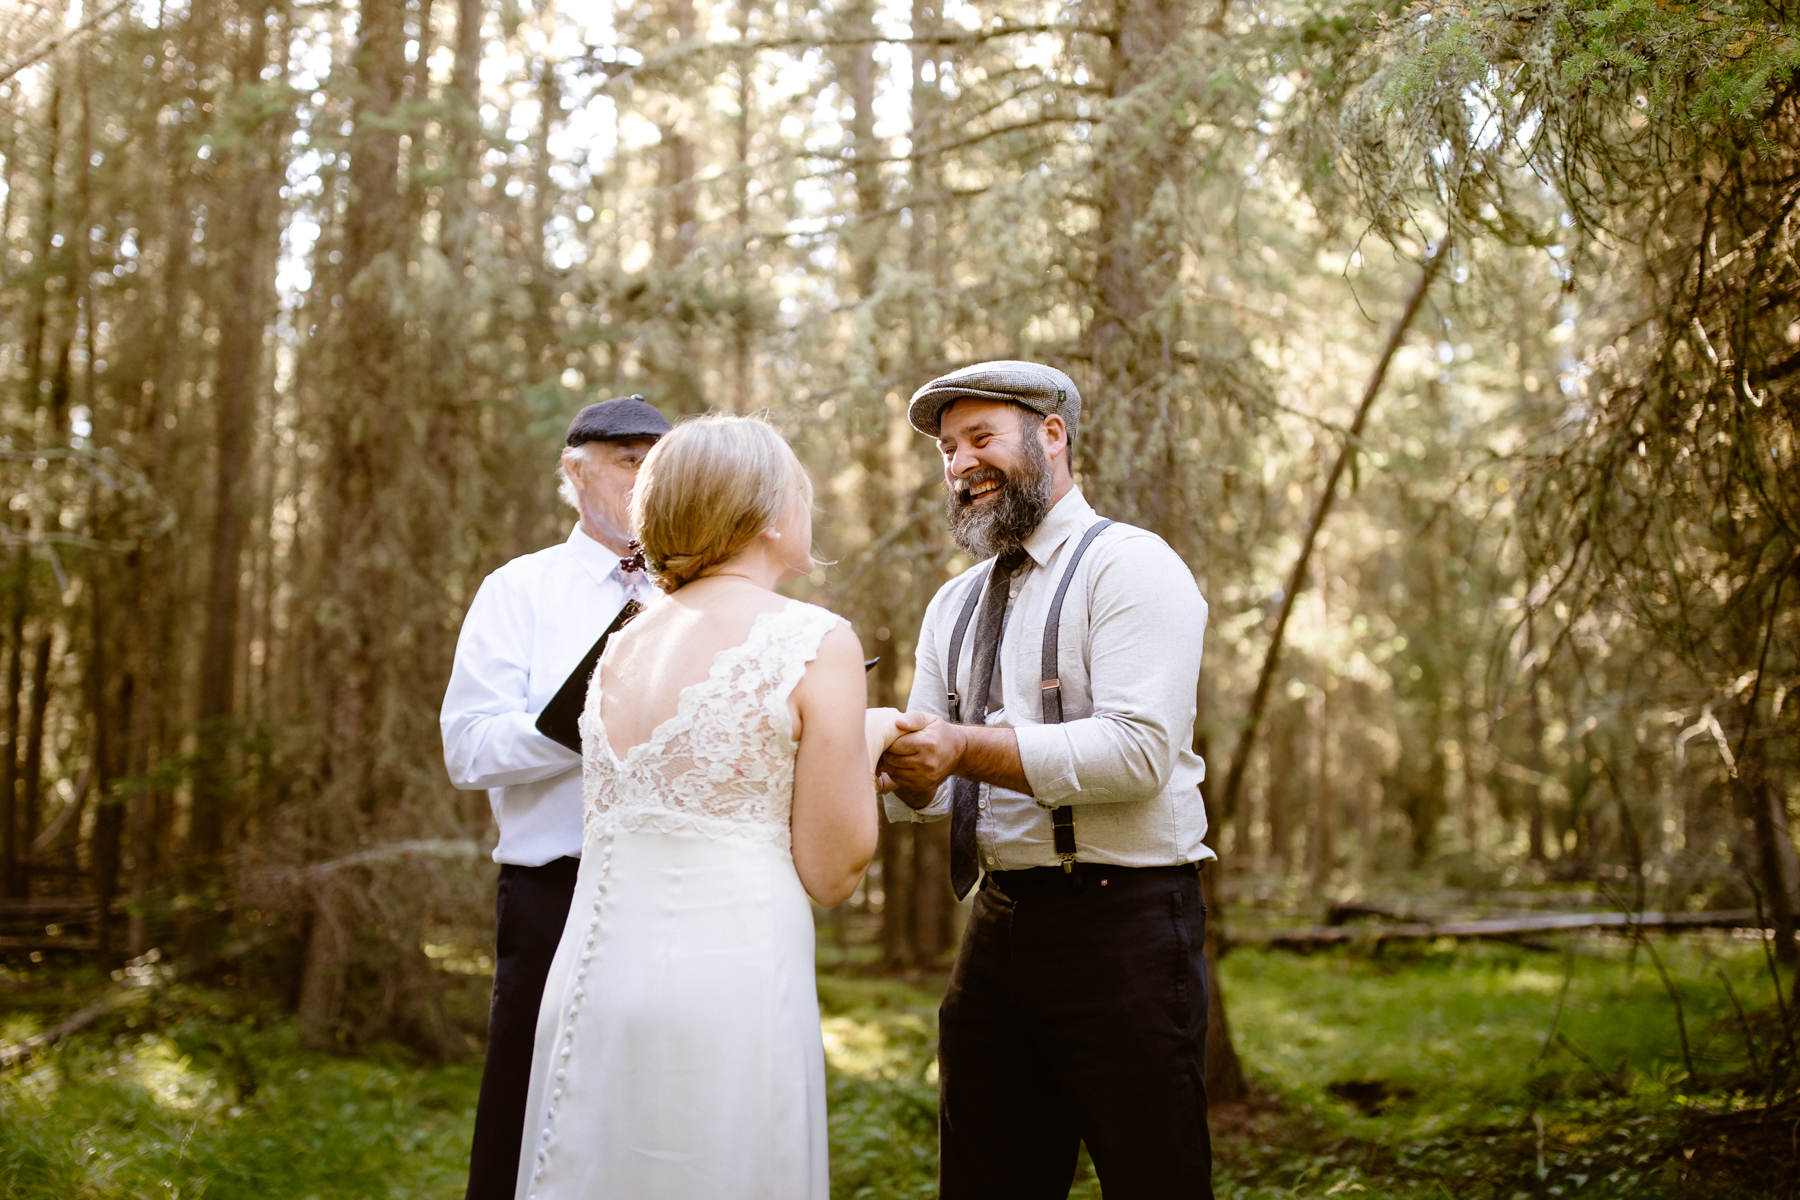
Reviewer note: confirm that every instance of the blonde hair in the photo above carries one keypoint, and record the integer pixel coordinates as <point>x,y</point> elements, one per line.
<point>707,489</point>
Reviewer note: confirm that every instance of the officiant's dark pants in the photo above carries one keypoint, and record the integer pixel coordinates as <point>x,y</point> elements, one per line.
<point>1076,1012</point>
<point>529,910</point>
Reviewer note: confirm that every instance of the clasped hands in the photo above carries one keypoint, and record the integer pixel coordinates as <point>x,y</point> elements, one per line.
<point>913,752</point>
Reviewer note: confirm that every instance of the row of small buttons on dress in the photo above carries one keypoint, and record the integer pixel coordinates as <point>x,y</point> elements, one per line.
<point>561,1074</point>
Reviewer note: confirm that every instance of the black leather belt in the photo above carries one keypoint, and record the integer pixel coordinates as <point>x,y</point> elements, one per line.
<point>1081,876</point>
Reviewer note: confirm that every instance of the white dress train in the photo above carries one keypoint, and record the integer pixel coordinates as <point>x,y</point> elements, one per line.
<point>678,1050</point>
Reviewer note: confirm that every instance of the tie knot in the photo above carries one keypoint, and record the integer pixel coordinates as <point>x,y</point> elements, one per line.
<point>1008,564</point>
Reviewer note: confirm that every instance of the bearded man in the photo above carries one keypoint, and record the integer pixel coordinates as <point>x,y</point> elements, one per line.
<point>1056,731</point>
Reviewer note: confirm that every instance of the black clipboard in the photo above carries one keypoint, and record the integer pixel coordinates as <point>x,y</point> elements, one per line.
<point>560,721</point>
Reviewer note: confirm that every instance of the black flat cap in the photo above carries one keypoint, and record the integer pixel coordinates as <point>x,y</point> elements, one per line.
<point>1031,385</point>
<point>616,420</point>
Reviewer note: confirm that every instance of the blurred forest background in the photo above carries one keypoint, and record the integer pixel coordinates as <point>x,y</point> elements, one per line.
<point>1455,346</point>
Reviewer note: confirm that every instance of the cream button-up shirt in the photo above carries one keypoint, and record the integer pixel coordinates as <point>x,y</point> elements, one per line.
<point>527,628</point>
<point>1129,662</point>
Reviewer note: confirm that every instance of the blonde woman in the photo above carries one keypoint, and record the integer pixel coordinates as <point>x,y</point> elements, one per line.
<point>727,776</point>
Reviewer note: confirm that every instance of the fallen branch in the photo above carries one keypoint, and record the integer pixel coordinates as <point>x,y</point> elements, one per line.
<point>18,1052</point>
<point>386,852</point>
<point>141,978</point>
<point>1500,927</point>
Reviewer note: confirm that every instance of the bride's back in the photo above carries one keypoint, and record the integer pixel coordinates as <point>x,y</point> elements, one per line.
<point>670,648</point>
<point>723,510</point>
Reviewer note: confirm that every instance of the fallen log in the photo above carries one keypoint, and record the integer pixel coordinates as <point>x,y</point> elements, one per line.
<point>1342,912</point>
<point>63,944</point>
<point>1498,928</point>
<point>49,906</point>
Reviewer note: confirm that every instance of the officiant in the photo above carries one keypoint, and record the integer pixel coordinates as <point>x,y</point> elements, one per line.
<point>532,623</point>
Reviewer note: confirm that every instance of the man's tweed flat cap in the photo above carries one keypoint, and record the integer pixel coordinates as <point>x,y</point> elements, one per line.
<point>1035,386</point>
<point>616,420</point>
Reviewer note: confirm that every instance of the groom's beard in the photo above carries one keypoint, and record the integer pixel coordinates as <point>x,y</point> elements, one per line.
<point>997,525</point>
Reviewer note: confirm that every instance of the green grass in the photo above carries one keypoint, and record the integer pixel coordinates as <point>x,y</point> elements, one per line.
<point>1480,1070</point>
<point>1432,1073</point>
<point>194,1097</point>
<point>1465,1027</point>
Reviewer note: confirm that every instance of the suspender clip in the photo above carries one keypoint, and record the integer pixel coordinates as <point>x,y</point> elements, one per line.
<point>1068,862</point>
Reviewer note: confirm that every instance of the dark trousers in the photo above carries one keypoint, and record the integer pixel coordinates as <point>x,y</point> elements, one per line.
<point>1076,1012</point>
<point>529,910</point>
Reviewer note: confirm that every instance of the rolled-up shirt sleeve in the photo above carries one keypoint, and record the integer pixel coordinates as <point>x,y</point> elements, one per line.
<point>490,737</point>
<point>927,696</point>
<point>1146,628</point>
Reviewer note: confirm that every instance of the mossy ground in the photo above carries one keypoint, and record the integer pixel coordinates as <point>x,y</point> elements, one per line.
<point>1444,1071</point>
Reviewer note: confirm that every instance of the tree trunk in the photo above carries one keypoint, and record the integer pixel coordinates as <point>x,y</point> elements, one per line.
<point>322,972</point>
<point>933,911</point>
<point>109,700</point>
<point>10,855</point>
<point>741,327</point>
<point>463,103</point>
<point>39,320</point>
<point>1750,781</point>
<point>1534,790</point>
<point>541,333</point>
<point>677,232</point>
<point>929,908</point>
<point>37,326</point>
<point>354,552</point>
<point>1321,839</point>
<point>1225,1080</point>
<point>31,797</point>
<point>246,236</point>
<point>896,892</point>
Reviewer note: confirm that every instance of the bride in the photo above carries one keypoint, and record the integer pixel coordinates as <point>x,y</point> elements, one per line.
<point>727,776</point>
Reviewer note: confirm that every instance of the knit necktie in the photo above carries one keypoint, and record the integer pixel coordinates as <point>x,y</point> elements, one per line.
<point>964,865</point>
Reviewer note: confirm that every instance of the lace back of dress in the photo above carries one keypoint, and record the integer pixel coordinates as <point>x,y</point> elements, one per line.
<point>723,764</point>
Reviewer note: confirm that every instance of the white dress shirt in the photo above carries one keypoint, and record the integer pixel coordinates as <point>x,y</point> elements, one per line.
<point>529,625</point>
<point>1128,657</point>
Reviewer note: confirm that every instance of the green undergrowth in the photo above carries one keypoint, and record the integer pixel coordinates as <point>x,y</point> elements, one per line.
<point>188,1095</point>
<point>1480,1070</point>
<point>1443,1071</point>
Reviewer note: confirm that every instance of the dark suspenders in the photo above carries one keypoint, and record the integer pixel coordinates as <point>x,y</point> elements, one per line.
<point>1062,819</point>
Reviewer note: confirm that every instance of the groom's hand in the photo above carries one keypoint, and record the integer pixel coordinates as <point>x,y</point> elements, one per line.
<point>923,756</point>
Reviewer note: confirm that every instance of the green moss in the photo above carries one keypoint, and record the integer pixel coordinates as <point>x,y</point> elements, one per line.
<point>1447,1070</point>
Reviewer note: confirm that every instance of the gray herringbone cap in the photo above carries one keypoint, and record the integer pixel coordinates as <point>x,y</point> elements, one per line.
<point>1040,388</point>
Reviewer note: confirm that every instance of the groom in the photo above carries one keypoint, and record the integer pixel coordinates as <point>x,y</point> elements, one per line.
<point>525,632</point>
<point>1055,730</point>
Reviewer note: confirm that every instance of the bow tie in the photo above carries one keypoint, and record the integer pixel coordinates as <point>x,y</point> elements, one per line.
<point>633,561</point>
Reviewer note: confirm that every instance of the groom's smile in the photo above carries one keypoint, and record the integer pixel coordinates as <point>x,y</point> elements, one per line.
<point>982,484</point>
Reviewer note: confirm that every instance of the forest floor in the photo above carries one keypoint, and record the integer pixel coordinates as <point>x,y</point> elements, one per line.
<point>1437,1071</point>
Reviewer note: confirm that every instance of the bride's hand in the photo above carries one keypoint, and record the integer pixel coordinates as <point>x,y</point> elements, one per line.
<point>880,727</point>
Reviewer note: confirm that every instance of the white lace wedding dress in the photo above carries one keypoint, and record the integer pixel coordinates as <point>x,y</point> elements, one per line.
<point>678,1051</point>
